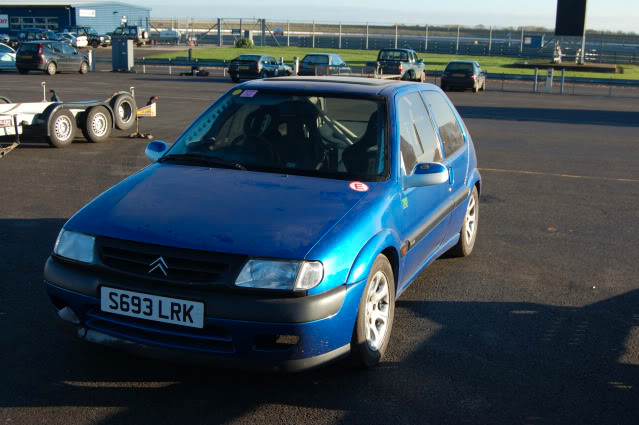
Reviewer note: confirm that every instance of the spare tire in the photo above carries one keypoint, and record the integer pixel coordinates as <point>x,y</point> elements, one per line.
<point>124,111</point>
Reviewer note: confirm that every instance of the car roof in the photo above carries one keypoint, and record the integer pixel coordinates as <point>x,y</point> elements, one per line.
<point>321,54</point>
<point>332,84</point>
<point>401,50</point>
<point>461,61</point>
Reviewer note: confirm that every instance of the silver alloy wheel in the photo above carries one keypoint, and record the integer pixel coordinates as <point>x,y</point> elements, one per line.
<point>51,68</point>
<point>377,310</point>
<point>99,124</point>
<point>471,220</point>
<point>63,127</point>
<point>125,111</point>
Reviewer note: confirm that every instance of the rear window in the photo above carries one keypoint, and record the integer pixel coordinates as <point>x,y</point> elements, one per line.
<point>316,59</point>
<point>393,55</point>
<point>29,48</point>
<point>460,66</point>
<point>252,58</point>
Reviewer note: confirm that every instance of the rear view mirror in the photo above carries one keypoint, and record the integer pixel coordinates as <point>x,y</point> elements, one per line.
<point>155,150</point>
<point>427,174</point>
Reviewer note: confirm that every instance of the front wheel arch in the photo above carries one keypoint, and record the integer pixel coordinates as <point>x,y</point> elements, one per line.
<point>386,242</point>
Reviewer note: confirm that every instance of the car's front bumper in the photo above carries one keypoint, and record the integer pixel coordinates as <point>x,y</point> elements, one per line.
<point>240,330</point>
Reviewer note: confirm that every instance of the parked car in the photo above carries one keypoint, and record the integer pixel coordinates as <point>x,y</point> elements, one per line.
<point>93,38</point>
<point>257,66</point>
<point>31,34</point>
<point>323,64</point>
<point>7,58</point>
<point>50,57</point>
<point>306,216</point>
<point>4,38</point>
<point>131,32</point>
<point>463,75</point>
<point>77,41</point>
<point>401,62</point>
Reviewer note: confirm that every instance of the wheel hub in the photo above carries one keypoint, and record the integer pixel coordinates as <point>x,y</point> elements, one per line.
<point>99,124</point>
<point>62,128</point>
<point>377,311</point>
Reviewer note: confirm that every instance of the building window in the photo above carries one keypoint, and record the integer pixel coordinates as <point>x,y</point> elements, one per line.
<point>20,23</point>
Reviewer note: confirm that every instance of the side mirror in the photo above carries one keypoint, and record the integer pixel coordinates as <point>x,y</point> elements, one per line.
<point>155,150</point>
<point>427,174</point>
<point>420,61</point>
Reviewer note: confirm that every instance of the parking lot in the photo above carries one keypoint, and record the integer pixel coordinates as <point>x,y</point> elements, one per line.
<point>539,326</point>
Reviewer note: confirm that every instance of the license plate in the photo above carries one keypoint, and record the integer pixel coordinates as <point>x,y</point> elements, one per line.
<point>152,307</point>
<point>6,122</point>
<point>244,68</point>
<point>459,75</point>
<point>27,57</point>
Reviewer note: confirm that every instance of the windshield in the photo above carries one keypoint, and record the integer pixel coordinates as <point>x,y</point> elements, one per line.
<point>393,55</point>
<point>272,131</point>
<point>92,31</point>
<point>460,66</point>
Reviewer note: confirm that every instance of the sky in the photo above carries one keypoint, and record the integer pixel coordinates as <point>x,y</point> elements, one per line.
<point>614,15</point>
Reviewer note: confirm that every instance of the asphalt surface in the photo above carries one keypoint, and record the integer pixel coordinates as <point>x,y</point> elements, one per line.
<point>539,326</point>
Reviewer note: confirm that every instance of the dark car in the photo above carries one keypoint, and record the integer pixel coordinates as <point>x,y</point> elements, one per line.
<point>257,66</point>
<point>138,34</point>
<point>50,57</point>
<point>33,34</point>
<point>463,75</point>
<point>402,62</point>
<point>323,64</point>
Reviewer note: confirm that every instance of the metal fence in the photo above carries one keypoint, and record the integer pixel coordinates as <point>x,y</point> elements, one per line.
<point>601,47</point>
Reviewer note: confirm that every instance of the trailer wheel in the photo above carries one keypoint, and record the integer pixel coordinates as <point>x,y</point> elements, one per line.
<point>96,127</point>
<point>61,128</point>
<point>52,68</point>
<point>124,109</point>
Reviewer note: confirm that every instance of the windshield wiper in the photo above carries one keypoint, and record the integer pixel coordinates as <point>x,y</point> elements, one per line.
<point>202,159</point>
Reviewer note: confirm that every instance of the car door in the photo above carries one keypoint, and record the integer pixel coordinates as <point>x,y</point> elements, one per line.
<point>71,58</point>
<point>57,56</point>
<point>455,145</point>
<point>425,209</point>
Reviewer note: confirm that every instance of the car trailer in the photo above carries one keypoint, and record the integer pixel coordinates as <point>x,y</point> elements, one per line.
<point>59,120</point>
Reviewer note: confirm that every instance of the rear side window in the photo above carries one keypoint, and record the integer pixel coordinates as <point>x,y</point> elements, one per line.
<point>418,139</point>
<point>449,129</point>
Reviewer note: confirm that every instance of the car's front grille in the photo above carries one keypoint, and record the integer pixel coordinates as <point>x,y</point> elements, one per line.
<point>175,265</point>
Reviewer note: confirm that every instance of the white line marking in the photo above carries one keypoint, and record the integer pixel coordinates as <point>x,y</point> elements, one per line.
<point>570,176</point>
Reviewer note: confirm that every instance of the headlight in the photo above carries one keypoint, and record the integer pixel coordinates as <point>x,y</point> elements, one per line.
<point>287,275</point>
<point>75,246</point>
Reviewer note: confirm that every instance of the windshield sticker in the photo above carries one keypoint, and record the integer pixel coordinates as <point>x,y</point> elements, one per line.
<point>236,92</point>
<point>249,93</point>
<point>358,186</point>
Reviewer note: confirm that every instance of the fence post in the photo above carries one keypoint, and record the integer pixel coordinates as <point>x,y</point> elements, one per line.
<point>340,36</point>
<point>535,85</point>
<point>502,81</point>
<point>563,77</point>
<point>296,64</point>
<point>263,31</point>
<point>426,43</point>
<point>396,36</point>
<point>170,69</point>
<point>313,40</point>
<point>143,66</point>
<point>521,46</point>
<point>457,46</point>
<point>490,41</point>
<point>219,31</point>
<point>288,34</point>
<point>366,35</point>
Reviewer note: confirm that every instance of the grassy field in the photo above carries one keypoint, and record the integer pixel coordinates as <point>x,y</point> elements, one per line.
<point>434,62</point>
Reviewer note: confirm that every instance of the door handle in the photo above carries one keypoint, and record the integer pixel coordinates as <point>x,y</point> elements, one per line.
<point>451,176</point>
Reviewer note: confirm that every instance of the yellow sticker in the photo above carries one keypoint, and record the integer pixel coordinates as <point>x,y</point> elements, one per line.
<point>236,92</point>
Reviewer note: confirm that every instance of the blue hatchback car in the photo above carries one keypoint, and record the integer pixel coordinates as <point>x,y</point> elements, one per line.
<point>278,230</point>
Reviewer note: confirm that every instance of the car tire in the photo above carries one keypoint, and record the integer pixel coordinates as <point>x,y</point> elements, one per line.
<point>468,232</point>
<point>61,128</point>
<point>97,124</point>
<point>289,73</point>
<point>124,111</point>
<point>23,71</point>
<point>84,68</point>
<point>475,88</point>
<point>483,86</point>
<point>263,75</point>
<point>375,315</point>
<point>52,68</point>
<point>95,44</point>
<point>444,87</point>
<point>235,79</point>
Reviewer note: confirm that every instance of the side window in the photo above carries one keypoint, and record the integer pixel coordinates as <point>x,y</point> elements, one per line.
<point>68,50</point>
<point>449,129</point>
<point>117,31</point>
<point>418,140</point>
<point>56,48</point>
<point>133,31</point>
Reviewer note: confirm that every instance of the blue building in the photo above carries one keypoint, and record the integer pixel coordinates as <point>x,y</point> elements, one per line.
<point>55,15</point>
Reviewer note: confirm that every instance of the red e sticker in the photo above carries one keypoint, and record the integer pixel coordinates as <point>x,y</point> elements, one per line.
<point>358,186</point>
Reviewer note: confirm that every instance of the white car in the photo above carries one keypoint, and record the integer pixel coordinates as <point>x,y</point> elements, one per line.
<point>76,40</point>
<point>7,58</point>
